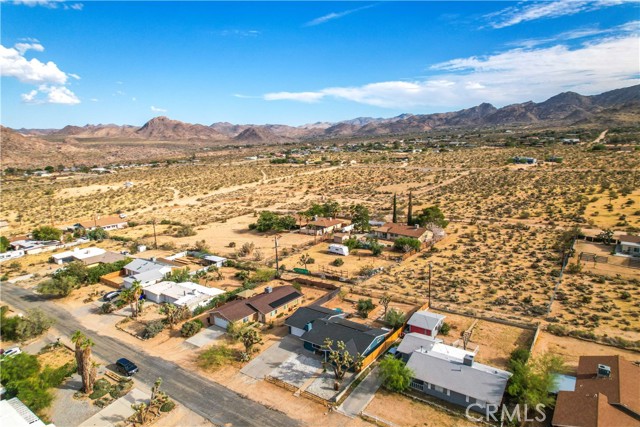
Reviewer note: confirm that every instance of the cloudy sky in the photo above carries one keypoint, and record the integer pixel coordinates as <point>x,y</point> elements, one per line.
<point>294,63</point>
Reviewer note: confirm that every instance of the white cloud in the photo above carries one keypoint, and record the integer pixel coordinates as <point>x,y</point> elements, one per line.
<point>580,33</point>
<point>23,47</point>
<point>512,76</point>
<point>158,110</point>
<point>14,64</point>
<point>51,4</point>
<point>51,95</point>
<point>334,15</point>
<point>532,11</point>
<point>134,99</point>
<point>239,33</point>
<point>293,96</point>
<point>94,99</point>
<point>49,78</point>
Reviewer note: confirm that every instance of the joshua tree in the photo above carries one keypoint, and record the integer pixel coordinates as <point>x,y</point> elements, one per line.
<point>340,360</point>
<point>249,338</point>
<point>384,301</point>
<point>86,366</point>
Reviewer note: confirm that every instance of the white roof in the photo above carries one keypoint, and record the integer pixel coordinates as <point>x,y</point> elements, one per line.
<point>425,319</point>
<point>81,254</point>
<point>177,290</point>
<point>413,341</point>
<point>444,367</point>
<point>140,265</point>
<point>215,258</point>
<point>14,413</point>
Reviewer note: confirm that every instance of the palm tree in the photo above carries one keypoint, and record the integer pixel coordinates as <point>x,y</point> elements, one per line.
<point>132,296</point>
<point>86,367</point>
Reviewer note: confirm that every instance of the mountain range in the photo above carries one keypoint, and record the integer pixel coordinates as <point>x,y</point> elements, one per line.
<point>564,109</point>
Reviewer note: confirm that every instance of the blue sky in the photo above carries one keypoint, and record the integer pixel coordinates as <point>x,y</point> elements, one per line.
<point>300,62</point>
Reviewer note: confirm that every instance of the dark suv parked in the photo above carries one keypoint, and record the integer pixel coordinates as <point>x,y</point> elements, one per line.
<point>126,366</point>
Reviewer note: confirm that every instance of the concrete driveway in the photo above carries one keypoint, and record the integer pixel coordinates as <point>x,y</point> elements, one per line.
<point>206,336</point>
<point>273,357</point>
<point>360,397</point>
<point>117,411</point>
<point>297,369</point>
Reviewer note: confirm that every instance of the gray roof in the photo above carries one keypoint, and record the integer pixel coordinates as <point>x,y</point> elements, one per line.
<point>356,336</point>
<point>140,265</point>
<point>479,381</point>
<point>413,341</point>
<point>146,276</point>
<point>425,319</point>
<point>311,313</point>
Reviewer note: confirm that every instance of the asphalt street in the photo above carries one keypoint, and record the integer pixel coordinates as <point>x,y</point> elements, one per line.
<point>211,400</point>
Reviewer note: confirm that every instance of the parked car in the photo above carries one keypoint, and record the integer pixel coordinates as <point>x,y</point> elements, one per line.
<point>126,366</point>
<point>110,296</point>
<point>10,352</point>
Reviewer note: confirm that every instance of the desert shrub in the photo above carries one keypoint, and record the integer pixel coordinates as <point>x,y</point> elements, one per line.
<point>364,307</point>
<point>216,356</point>
<point>22,328</point>
<point>262,275</point>
<point>185,231</point>
<point>100,388</point>
<point>394,318</point>
<point>445,328</point>
<point>191,328</point>
<point>574,268</point>
<point>46,233</point>
<point>54,377</point>
<point>406,244</point>
<point>107,308</point>
<point>337,262</point>
<point>152,329</point>
<point>168,406</point>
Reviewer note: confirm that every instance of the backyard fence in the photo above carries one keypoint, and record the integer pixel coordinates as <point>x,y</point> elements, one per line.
<point>382,348</point>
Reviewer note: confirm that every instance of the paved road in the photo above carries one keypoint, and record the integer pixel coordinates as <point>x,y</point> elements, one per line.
<point>360,397</point>
<point>216,403</point>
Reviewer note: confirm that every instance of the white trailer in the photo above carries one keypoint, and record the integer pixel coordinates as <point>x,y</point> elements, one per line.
<point>339,249</point>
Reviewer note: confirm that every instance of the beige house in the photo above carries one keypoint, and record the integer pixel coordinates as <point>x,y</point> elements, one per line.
<point>392,231</point>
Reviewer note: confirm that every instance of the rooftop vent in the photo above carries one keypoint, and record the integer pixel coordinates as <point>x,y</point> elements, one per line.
<point>468,360</point>
<point>268,290</point>
<point>604,371</point>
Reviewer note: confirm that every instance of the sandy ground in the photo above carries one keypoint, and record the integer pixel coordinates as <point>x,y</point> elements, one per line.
<point>407,412</point>
<point>570,349</point>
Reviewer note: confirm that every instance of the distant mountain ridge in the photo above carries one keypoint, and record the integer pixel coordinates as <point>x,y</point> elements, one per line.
<point>567,108</point>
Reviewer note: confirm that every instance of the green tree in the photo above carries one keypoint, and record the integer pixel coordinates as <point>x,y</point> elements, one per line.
<point>410,210</point>
<point>395,209</point>
<point>267,221</point>
<point>249,337</point>
<point>360,217</point>
<point>98,234</point>
<point>406,244</point>
<point>340,360</point>
<point>86,367</point>
<point>46,233</point>
<point>533,378</point>
<point>4,244</point>
<point>431,215</point>
<point>174,313</point>
<point>178,275</point>
<point>18,368</point>
<point>394,318</point>
<point>35,323</point>
<point>364,307</point>
<point>131,296</point>
<point>395,374</point>
<point>606,236</point>
<point>58,286</point>
<point>286,222</point>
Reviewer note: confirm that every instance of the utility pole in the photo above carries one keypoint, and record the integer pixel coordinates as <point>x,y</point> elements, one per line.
<point>155,237</point>
<point>430,271</point>
<point>275,245</point>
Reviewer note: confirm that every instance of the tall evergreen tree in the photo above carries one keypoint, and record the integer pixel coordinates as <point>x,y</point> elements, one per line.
<point>395,208</point>
<point>410,210</point>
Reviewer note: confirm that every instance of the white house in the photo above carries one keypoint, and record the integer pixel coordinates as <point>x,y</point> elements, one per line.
<point>76,255</point>
<point>629,245</point>
<point>451,374</point>
<point>11,255</point>
<point>217,261</point>
<point>186,293</point>
<point>147,272</point>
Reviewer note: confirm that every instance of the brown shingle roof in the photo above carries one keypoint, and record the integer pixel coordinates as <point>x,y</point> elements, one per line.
<point>263,303</point>
<point>326,222</point>
<point>597,401</point>
<point>103,222</point>
<point>629,238</point>
<point>105,258</point>
<point>401,230</point>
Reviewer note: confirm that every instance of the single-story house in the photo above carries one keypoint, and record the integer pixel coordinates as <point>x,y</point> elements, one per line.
<point>11,255</point>
<point>140,265</point>
<point>14,413</point>
<point>322,226</point>
<point>33,247</point>
<point>106,258</point>
<point>217,261</point>
<point>264,307</point>
<point>186,293</point>
<point>629,245</point>
<point>107,223</point>
<point>606,394</point>
<point>145,278</point>
<point>393,231</point>
<point>425,322</point>
<point>451,374</point>
<point>358,338</point>
<point>88,256</point>
<point>300,321</point>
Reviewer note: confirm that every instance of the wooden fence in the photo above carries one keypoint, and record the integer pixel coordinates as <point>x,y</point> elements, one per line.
<point>382,348</point>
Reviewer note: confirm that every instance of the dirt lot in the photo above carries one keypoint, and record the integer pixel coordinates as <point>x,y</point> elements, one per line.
<point>570,349</point>
<point>406,412</point>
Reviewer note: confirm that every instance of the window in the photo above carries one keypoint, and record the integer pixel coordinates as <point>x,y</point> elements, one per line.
<point>416,385</point>
<point>439,389</point>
